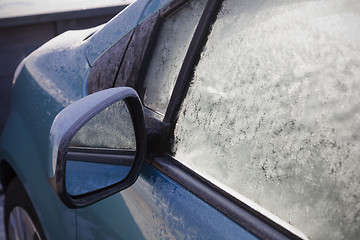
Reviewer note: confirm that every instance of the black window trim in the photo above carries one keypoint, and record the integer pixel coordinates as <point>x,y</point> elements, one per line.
<point>191,59</point>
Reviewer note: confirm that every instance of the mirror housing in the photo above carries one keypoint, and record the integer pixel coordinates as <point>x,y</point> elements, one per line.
<point>70,120</point>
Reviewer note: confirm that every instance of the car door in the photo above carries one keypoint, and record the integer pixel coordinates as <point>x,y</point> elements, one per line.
<point>243,104</point>
<point>156,207</point>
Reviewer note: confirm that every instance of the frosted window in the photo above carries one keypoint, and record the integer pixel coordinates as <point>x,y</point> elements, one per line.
<point>169,53</point>
<point>273,111</point>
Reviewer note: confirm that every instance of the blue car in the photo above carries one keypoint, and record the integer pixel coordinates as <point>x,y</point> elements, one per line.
<point>190,119</point>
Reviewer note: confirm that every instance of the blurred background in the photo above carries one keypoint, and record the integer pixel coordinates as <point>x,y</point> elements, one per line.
<point>27,24</point>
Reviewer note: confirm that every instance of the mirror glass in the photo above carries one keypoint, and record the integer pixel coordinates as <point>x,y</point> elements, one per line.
<point>102,152</point>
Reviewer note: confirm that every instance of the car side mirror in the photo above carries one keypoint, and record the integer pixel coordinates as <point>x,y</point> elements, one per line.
<point>97,146</point>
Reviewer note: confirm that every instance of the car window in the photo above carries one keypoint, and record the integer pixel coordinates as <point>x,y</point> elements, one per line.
<point>273,111</point>
<point>169,53</point>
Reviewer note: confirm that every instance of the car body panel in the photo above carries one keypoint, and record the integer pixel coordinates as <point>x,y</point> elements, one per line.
<point>46,81</point>
<point>51,78</point>
<point>160,209</point>
<point>22,143</point>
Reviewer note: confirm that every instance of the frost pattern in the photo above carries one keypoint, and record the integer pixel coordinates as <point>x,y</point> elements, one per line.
<point>273,111</point>
<point>111,128</point>
<point>168,55</point>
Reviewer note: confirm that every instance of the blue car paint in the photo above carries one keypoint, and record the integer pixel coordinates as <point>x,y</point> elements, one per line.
<point>161,209</point>
<point>22,145</point>
<point>54,76</point>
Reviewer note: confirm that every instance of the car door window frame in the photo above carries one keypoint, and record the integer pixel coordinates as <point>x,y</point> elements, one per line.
<point>238,211</point>
<point>160,131</point>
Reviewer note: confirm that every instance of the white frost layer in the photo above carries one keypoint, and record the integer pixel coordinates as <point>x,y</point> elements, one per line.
<point>273,111</point>
<point>256,206</point>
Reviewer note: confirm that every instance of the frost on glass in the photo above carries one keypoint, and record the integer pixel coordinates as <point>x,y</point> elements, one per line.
<point>111,128</point>
<point>273,111</point>
<point>169,53</point>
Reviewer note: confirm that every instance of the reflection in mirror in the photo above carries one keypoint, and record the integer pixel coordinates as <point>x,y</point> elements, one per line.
<point>102,152</point>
